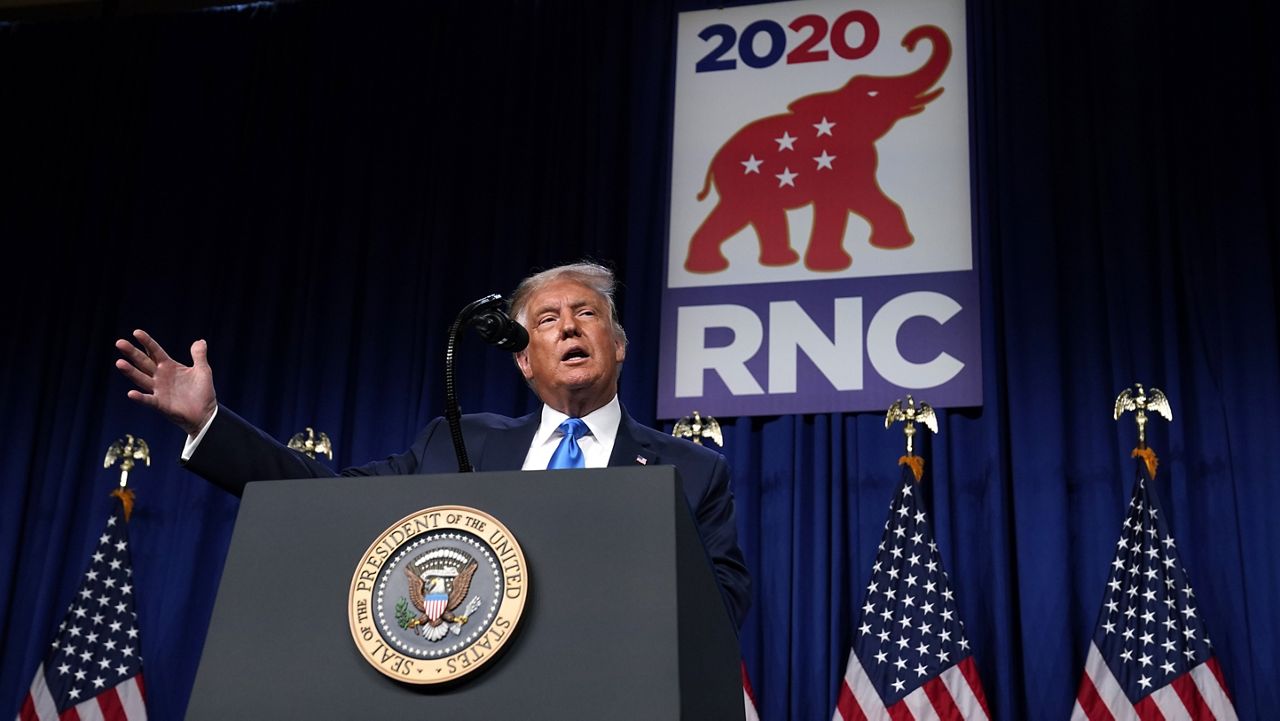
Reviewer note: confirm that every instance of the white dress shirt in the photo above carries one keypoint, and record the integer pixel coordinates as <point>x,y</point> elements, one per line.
<point>596,444</point>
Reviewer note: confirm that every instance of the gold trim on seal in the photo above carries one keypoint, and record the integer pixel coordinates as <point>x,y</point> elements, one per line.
<point>458,651</point>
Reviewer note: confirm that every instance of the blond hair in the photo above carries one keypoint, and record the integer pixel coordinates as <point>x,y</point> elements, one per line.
<point>592,275</point>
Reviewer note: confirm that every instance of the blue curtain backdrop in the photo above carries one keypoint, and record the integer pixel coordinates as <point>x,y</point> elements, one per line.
<point>317,188</point>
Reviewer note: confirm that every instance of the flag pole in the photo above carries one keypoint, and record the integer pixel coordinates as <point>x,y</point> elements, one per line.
<point>93,668</point>
<point>1150,652</point>
<point>910,652</point>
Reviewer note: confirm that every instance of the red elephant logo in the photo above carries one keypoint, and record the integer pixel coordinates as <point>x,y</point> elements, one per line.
<point>821,152</point>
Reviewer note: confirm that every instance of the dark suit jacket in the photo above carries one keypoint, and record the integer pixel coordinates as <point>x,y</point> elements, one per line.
<point>233,452</point>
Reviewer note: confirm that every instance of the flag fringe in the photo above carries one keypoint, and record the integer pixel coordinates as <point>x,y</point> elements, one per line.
<point>1149,456</point>
<point>126,499</point>
<point>915,463</point>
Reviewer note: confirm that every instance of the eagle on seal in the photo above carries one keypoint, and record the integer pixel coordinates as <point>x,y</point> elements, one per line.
<point>437,597</point>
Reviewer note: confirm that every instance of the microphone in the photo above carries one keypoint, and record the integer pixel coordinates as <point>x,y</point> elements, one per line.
<point>496,327</point>
<point>493,324</point>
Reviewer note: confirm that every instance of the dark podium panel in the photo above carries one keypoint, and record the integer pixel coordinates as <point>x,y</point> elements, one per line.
<point>624,619</point>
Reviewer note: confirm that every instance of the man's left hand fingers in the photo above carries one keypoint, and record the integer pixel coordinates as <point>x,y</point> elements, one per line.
<point>140,379</point>
<point>136,357</point>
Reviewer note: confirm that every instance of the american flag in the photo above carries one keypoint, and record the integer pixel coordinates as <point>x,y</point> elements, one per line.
<point>910,658</point>
<point>1150,657</point>
<point>94,668</point>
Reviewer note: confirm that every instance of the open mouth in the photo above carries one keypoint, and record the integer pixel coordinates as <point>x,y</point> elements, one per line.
<point>574,354</point>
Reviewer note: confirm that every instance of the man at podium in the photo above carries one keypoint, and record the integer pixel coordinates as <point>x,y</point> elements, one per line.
<point>573,361</point>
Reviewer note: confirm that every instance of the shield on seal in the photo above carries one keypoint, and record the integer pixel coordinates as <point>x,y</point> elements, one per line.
<point>434,604</point>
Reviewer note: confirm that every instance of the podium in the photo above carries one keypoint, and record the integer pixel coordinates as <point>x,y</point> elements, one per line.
<point>623,618</point>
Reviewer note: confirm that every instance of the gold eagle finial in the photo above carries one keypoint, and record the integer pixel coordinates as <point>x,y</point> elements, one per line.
<point>911,415</point>
<point>1140,401</point>
<point>128,451</point>
<point>695,427</point>
<point>311,444</point>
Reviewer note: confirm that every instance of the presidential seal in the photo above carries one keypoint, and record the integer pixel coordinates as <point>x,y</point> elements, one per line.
<point>437,595</point>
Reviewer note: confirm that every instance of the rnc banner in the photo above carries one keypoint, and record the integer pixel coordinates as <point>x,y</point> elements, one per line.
<point>819,253</point>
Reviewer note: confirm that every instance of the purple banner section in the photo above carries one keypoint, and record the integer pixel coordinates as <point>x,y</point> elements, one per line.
<point>851,344</point>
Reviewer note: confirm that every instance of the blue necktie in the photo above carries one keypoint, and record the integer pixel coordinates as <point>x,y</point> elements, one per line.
<point>568,454</point>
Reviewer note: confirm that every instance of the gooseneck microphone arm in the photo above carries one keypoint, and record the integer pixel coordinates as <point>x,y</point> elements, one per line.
<point>493,324</point>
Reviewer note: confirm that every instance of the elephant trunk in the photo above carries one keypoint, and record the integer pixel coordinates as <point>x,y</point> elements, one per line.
<point>916,83</point>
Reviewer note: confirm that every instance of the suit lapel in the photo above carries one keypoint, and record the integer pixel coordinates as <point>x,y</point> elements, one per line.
<point>505,450</point>
<point>628,448</point>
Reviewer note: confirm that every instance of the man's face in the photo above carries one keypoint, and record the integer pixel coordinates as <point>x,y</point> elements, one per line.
<point>573,357</point>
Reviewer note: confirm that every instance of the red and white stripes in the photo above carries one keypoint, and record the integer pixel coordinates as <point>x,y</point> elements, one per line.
<point>1198,695</point>
<point>124,702</point>
<point>954,695</point>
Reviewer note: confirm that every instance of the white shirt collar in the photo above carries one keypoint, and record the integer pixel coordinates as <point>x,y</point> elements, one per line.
<point>602,422</point>
<point>597,447</point>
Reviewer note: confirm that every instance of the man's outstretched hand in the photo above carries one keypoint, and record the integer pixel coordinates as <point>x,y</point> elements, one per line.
<point>184,394</point>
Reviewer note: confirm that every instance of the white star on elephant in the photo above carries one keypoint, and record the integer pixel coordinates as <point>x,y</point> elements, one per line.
<point>824,127</point>
<point>752,165</point>
<point>786,142</point>
<point>786,177</point>
<point>824,160</point>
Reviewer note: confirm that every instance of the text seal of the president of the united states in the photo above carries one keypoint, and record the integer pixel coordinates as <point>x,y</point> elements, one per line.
<point>437,594</point>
